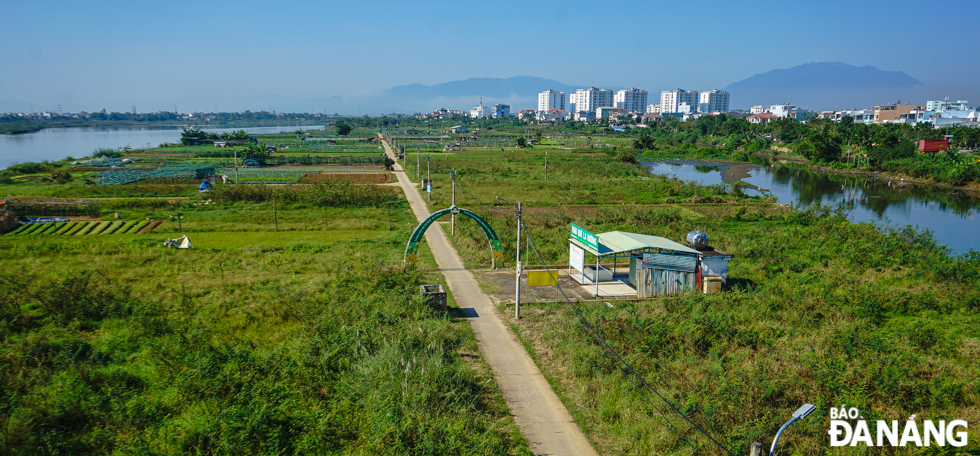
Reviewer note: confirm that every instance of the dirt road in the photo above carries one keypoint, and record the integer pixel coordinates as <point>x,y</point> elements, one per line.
<point>538,412</point>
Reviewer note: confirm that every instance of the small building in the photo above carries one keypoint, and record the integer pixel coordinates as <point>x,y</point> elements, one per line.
<point>761,118</point>
<point>220,144</point>
<point>657,266</point>
<point>459,129</point>
<point>926,145</point>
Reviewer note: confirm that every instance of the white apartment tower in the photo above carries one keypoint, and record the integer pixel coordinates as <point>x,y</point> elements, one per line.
<point>587,100</point>
<point>632,100</point>
<point>550,99</point>
<point>670,100</point>
<point>713,101</point>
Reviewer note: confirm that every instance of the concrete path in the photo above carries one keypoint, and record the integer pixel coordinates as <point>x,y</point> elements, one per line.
<point>538,412</point>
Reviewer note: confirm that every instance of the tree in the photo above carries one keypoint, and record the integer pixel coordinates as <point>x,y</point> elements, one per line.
<point>521,141</point>
<point>889,145</point>
<point>255,151</point>
<point>643,139</point>
<point>343,128</point>
<point>193,136</point>
<point>820,146</point>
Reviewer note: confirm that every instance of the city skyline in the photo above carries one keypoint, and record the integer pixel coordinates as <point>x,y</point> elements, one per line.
<point>226,56</point>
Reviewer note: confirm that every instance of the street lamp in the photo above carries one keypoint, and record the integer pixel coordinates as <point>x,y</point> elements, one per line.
<point>799,414</point>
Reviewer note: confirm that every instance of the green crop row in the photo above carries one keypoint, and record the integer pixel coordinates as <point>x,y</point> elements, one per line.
<point>80,228</point>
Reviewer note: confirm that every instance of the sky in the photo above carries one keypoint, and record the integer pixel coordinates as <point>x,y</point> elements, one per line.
<point>244,54</point>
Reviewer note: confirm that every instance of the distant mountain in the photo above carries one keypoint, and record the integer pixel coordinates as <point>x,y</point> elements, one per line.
<point>826,85</point>
<point>494,88</point>
<point>826,75</point>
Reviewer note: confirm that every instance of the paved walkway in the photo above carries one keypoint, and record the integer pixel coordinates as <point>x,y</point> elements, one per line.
<point>538,412</point>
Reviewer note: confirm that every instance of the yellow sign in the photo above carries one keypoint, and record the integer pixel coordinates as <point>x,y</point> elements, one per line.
<point>542,278</point>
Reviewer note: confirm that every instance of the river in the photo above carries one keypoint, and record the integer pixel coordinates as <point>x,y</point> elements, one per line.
<point>950,216</point>
<point>58,143</point>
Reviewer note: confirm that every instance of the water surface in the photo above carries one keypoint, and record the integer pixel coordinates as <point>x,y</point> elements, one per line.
<point>950,216</point>
<point>58,143</point>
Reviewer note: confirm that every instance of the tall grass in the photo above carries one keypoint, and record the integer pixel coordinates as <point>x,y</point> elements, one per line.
<point>350,361</point>
<point>336,193</point>
<point>819,310</point>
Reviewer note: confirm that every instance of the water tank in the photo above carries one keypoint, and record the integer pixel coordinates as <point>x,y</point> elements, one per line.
<point>697,239</point>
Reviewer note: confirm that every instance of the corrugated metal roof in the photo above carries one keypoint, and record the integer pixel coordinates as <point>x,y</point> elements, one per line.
<point>621,241</point>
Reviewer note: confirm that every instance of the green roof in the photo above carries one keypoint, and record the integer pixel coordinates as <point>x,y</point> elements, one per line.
<point>621,241</point>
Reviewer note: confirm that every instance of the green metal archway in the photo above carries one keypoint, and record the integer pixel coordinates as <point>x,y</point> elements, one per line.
<point>412,250</point>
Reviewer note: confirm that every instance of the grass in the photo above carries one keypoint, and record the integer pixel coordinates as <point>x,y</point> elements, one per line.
<point>291,328</point>
<point>819,310</point>
<point>252,342</point>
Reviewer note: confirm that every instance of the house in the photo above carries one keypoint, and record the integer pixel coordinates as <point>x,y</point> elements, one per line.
<point>527,114</point>
<point>551,115</point>
<point>603,112</point>
<point>761,118</point>
<point>459,129</point>
<point>650,117</point>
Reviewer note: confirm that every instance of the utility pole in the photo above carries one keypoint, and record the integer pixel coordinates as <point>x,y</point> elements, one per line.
<point>517,294</point>
<point>428,177</point>
<point>546,166</point>
<point>236,166</point>
<point>453,175</point>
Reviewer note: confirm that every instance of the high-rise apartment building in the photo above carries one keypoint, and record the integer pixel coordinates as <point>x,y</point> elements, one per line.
<point>550,99</point>
<point>632,100</point>
<point>670,100</point>
<point>713,101</point>
<point>587,100</point>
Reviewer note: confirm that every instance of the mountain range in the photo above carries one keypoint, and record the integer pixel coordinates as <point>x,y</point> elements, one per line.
<point>828,85</point>
<point>818,86</point>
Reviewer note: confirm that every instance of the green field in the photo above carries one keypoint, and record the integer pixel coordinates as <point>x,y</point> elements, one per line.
<point>306,340</point>
<point>819,310</point>
<point>291,326</point>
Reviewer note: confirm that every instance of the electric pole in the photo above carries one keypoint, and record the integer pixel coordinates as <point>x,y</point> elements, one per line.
<point>453,175</point>
<point>517,294</point>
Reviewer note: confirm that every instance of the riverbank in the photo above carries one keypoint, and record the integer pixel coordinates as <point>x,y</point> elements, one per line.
<point>786,157</point>
<point>26,128</point>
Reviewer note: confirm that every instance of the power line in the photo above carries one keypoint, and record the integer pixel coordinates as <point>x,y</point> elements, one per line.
<point>625,366</point>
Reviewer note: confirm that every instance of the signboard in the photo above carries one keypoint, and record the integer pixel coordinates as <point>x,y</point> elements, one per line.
<point>584,236</point>
<point>542,278</point>
<point>576,257</point>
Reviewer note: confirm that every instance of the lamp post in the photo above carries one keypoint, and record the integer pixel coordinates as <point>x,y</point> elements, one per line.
<point>799,414</point>
<point>517,295</point>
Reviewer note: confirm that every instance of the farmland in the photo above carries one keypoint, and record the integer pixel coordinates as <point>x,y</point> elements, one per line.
<point>291,326</point>
<point>288,328</point>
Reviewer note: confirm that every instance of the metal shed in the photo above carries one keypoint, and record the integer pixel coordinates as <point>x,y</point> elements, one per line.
<point>658,266</point>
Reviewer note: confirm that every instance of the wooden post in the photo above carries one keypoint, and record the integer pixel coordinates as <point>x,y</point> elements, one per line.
<point>756,449</point>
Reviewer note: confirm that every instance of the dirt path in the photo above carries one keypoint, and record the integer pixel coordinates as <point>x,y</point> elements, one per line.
<point>538,412</point>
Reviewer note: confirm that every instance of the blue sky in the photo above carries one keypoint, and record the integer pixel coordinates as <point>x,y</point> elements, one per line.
<point>231,54</point>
